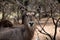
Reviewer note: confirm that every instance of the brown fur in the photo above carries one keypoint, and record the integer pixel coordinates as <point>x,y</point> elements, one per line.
<point>24,32</point>
<point>18,33</point>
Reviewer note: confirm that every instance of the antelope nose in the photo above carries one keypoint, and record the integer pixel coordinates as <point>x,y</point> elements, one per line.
<point>31,24</point>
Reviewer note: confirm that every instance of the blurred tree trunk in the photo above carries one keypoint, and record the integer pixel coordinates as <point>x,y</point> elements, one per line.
<point>23,17</point>
<point>3,15</point>
<point>18,15</point>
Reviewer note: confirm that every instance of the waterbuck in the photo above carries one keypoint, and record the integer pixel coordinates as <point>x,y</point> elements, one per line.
<point>24,32</point>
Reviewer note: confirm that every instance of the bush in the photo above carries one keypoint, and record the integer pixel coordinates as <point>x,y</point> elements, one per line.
<point>5,23</point>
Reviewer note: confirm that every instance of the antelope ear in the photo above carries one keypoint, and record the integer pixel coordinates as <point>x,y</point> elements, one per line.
<point>28,13</point>
<point>32,13</point>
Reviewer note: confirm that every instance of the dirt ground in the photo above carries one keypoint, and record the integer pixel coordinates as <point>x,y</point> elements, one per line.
<point>49,28</point>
